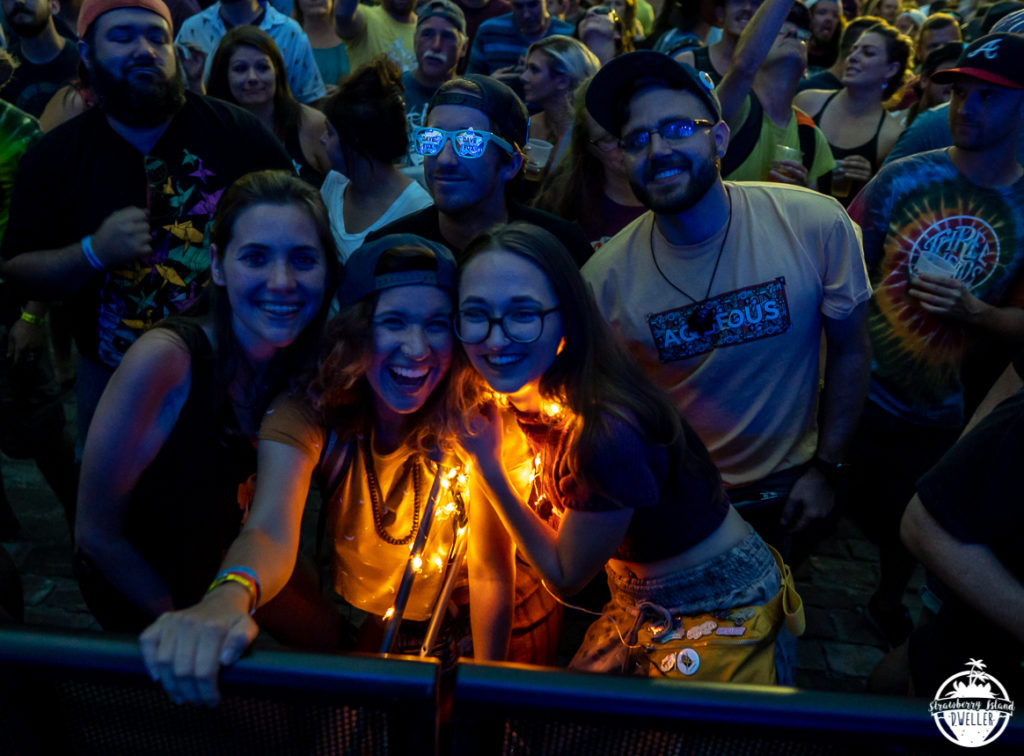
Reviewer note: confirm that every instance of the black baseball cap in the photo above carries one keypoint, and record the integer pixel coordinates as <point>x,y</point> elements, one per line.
<point>614,85</point>
<point>366,273</point>
<point>445,9</point>
<point>995,58</point>
<point>496,100</point>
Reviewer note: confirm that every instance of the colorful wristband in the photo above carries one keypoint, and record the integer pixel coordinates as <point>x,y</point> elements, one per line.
<point>246,578</point>
<point>28,317</point>
<point>90,256</point>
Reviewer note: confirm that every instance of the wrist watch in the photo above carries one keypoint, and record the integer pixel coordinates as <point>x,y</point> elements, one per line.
<point>831,471</point>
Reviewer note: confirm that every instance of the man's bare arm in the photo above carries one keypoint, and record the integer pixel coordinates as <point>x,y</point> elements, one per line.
<point>751,50</point>
<point>50,274</point>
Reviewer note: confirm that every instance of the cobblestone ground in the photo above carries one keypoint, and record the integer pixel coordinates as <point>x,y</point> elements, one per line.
<point>837,652</point>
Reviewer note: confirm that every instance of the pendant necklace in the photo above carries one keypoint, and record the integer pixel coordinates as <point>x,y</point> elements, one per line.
<point>376,497</point>
<point>700,318</point>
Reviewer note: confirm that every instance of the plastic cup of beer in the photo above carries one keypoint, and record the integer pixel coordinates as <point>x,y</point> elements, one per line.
<point>538,152</point>
<point>934,264</point>
<point>841,182</point>
<point>785,152</point>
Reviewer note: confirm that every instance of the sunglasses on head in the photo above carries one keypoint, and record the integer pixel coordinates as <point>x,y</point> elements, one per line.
<point>467,143</point>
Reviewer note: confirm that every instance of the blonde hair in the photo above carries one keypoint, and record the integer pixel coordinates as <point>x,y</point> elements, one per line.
<point>569,57</point>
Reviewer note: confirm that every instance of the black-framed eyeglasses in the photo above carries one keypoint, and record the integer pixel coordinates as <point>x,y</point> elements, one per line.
<point>523,326</point>
<point>674,130</point>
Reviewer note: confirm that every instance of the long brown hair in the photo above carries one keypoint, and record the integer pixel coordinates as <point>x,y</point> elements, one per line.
<point>287,111</point>
<point>593,376</point>
<point>230,364</point>
<point>575,188</point>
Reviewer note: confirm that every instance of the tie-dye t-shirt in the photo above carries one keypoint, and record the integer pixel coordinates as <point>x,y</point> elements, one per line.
<point>918,204</point>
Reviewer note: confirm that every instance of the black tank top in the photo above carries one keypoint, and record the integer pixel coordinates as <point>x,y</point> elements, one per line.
<point>702,62</point>
<point>868,150</point>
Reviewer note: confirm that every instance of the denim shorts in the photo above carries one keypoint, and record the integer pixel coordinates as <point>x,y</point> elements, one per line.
<point>745,575</point>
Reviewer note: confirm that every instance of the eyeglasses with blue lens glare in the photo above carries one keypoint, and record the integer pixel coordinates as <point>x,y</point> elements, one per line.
<point>674,130</point>
<point>467,143</point>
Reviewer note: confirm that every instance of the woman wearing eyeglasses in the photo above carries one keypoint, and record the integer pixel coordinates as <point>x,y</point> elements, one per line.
<point>590,185</point>
<point>615,478</point>
<point>369,426</point>
<point>366,133</point>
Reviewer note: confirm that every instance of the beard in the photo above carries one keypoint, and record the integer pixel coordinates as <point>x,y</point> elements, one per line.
<point>703,176</point>
<point>25,28</point>
<point>137,104</point>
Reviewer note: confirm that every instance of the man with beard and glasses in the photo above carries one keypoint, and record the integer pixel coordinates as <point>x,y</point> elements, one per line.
<point>110,211</point>
<point>46,60</point>
<point>201,34</point>
<point>723,292</point>
<point>472,149</point>
<point>944,243</point>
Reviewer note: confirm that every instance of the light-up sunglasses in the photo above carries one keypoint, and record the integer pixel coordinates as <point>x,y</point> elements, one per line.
<point>467,143</point>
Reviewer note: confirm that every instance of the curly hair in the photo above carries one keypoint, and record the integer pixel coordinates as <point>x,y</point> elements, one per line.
<point>339,390</point>
<point>898,49</point>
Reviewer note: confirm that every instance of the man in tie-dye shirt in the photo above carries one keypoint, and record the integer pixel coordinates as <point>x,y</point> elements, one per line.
<point>944,244</point>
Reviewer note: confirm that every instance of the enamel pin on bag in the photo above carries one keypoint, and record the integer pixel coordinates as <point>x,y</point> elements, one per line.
<point>733,645</point>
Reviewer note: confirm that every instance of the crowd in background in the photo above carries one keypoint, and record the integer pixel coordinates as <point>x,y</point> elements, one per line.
<point>655,289</point>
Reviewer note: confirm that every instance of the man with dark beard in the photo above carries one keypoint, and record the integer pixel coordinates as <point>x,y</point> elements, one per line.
<point>723,290</point>
<point>46,60</point>
<point>110,211</point>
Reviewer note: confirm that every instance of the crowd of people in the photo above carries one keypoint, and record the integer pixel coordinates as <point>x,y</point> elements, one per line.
<point>518,294</point>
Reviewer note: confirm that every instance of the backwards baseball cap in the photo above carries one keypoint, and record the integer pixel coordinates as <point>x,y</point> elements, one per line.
<point>93,9</point>
<point>620,78</point>
<point>445,9</point>
<point>994,58</point>
<point>496,100</point>
<point>367,271</point>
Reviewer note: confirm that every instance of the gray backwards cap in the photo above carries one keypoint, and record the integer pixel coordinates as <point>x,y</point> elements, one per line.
<point>361,276</point>
<point>445,9</point>
<point>613,86</point>
<point>496,100</point>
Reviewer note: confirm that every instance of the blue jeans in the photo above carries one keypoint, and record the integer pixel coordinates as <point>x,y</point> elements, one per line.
<point>743,576</point>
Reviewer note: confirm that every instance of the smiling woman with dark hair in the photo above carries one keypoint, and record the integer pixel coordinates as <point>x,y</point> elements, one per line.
<point>247,70</point>
<point>370,426</point>
<point>171,446</point>
<point>608,461</point>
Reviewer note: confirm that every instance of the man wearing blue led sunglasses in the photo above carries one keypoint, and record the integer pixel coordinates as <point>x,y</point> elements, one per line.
<point>472,147</point>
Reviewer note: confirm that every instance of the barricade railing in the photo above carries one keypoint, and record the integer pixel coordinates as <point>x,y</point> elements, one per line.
<point>86,693</point>
<point>70,693</point>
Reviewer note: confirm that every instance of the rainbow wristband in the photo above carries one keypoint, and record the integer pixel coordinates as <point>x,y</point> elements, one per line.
<point>90,256</point>
<point>245,577</point>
